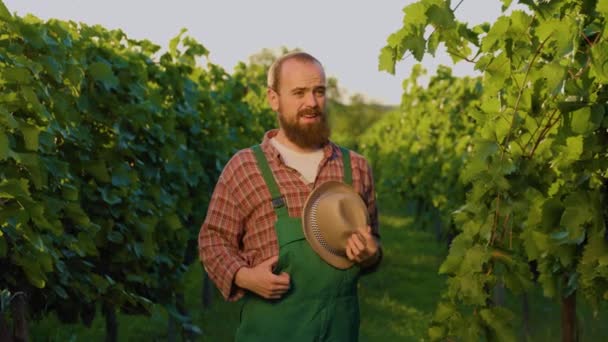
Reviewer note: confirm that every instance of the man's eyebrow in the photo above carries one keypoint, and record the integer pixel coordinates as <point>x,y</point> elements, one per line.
<point>297,89</point>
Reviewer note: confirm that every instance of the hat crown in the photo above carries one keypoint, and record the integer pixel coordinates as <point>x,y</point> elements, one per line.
<point>332,212</point>
<point>343,214</point>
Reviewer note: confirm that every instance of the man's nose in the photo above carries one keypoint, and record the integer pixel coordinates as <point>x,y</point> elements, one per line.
<point>311,100</point>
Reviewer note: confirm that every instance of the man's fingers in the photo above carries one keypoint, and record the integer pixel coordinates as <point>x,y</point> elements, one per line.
<point>280,289</point>
<point>358,241</point>
<point>365,233</point>
<point>356,246</point>
<point>271,261</point>
<point>281,279</point>
<point>364,237</point>
<point>349,253</point>
<point>352,253</point>
<point>279,286</point>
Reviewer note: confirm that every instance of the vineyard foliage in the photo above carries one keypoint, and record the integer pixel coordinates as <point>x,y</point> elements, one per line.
<point>108,153</point>
<point>419,150</point>
<point>535,173</point>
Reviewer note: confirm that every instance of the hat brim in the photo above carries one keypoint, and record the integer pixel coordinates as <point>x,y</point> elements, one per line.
<point>338,261</point>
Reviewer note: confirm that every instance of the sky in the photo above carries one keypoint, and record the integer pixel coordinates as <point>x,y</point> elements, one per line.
<point>345,35</point>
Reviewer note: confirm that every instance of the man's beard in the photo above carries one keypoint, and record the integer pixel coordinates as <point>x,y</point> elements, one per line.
<point>307,135</point>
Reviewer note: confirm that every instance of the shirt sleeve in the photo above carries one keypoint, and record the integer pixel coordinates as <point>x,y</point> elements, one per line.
<point>370,199</point>
<point>218,240</point>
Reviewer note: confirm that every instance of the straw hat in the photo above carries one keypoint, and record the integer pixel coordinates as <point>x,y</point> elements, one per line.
<point>332,212</point>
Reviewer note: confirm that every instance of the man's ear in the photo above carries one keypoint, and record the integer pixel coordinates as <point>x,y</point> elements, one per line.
<point>273,99</point>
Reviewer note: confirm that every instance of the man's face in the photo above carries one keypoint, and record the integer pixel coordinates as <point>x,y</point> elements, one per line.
<point>300,102</point>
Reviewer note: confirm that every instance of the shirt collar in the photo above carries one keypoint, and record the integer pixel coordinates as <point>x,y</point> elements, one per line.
<point>330,150</point>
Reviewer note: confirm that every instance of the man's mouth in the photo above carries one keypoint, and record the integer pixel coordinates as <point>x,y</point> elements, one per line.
<point>310,114</point>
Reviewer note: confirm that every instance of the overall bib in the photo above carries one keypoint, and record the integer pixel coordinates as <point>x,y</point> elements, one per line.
<point>322,302</point>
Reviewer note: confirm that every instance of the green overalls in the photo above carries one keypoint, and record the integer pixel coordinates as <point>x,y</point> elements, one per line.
<point>322,302</point>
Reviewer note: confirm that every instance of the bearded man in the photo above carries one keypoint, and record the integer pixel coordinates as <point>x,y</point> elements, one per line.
<point>289,293</point>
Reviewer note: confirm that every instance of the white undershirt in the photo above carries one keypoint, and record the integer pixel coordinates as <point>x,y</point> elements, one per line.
<point>306,163</point>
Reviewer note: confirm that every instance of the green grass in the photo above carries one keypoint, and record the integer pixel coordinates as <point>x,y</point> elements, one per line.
<point>397,302</point>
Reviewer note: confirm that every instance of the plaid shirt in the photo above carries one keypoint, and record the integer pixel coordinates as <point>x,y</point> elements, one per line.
<point>239,228</point>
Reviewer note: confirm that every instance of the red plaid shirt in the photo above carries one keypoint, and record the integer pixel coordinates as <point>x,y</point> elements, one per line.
<point>239,228</point>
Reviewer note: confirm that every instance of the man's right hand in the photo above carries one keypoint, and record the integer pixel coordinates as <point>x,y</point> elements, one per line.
<point>260,279</point>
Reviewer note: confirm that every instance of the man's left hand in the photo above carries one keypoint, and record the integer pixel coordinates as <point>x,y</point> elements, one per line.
<point>362,246</point>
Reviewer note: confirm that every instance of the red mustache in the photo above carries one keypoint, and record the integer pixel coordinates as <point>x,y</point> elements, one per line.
<point>310,111</point>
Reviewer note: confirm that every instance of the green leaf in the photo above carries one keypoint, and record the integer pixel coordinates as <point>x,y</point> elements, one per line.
<point>4,13</point>
<point>471,287</point>
<point>121,176</point>
<point>395,39</point>
<point>416,45</point>
<point>454,259</point>
<point>602,8</point>
<point>18,75</point>
<point>571,152</point>
<point>30,135</point>
<point>555,75</point>
<point>76,214</point>
<point>32,270</point>
<point>499,70</point>
<point>103,73</point>
<point>436,333</point>
<point>474,259</point>
<point>172,221</point>
<point>56,167</point>
<point>4,149</point>
<point>415,14</point>
<point>109,196</point>
<point>587,119</point>
<point>74,74</point>
<point>595,251</point>
<point>485,148</point>
<point>98,169</point>
<point>560,235</point>
<point>444,311</point>
<point>578,211</point>
<point>433,42</point>
<point>496,34</point>
<point>100,283</point>
<point>386,61</point>
<point>175,41</point>
<point>69,192</point>
<point>546,28</point>
<point>32,162</point>
<point>53,68</point>
<point>500,320</point>
<point>115,237</point>
<point>44,258</point>
<point>520,23</point>
<point>87,244</point>
<point>60,291</point>
<point>541,240</point>
<point>502,126</point>
<point>14,188</point>
<point>441,16</point>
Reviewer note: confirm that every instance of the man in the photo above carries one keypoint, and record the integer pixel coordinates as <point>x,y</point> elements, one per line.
<point>290,294</point>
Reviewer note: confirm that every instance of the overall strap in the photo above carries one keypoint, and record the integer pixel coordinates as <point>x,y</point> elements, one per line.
<point>278,203</point>
<point>348,172</point>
